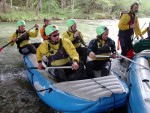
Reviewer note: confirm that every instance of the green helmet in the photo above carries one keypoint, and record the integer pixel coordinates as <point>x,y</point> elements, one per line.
<point>100,29</point>
<point>21,22</point>
<point>70,22</point>
<point>50,29</point>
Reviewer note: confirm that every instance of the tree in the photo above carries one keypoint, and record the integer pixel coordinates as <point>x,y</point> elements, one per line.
<point>4,5</point>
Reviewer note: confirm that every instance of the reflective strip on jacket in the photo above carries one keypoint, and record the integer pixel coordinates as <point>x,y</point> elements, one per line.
<point>25,42</point>
<point>66,44</point>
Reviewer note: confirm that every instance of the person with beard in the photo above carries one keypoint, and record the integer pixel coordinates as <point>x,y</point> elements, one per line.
<point>76,37</point>
<point>128,24</point>
<point>42,30</point>
<point>21,38</point>
<point>104,46</point>
<point>59,52</point>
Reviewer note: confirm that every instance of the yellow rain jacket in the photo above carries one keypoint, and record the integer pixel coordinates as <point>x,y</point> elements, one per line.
<point>43,49</point>
<point>25,42</point>
<point>76,41</point>
<point>124,24</point>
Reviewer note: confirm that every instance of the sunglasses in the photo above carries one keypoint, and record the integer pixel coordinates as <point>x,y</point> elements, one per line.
<point>55,35</point>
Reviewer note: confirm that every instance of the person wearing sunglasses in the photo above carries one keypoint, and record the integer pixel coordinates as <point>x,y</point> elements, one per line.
<point>76,37</point>
<point>59,52</point>
<point>102,45</point>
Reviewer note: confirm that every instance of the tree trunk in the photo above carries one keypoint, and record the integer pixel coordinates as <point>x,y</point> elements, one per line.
<point>63,4</point>
<point>27,2</point>
<point>72,8</point>
<point>11,2</point>
<point>37,8</point>
<point>4,6</point>
<point>49,6</point>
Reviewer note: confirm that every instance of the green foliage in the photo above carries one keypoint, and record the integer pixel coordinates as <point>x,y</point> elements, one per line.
<point>84,9</point>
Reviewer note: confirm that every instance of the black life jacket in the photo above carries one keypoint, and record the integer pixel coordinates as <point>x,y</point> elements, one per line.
<point>60,54</point>
<point>103,48</point>
<point>21,37</point>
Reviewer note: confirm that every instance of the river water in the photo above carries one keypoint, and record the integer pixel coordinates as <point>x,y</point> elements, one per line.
<point>16,93</point>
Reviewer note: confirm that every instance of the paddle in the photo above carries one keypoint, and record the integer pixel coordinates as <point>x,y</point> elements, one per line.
<point>17,37</point>
<point>132,61</point>
<point>102,56</point>
<point>46,68</point>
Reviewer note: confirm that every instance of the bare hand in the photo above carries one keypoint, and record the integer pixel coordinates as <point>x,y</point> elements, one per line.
<point>36,25</point>
<point>15,39</point>
<point>91,55</point>
<point>75,65</point>
<point>40,66</point>
<point>114,56</point>
<point>77,33</point>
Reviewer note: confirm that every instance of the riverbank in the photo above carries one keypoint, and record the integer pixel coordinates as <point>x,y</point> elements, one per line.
<point>30,16</point>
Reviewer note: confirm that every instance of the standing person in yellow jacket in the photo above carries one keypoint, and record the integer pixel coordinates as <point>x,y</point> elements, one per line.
<point>76,37</point>
<point>42,30</point>
<point>59,52</point>
<point>128,24</point>
<point>23,42</point>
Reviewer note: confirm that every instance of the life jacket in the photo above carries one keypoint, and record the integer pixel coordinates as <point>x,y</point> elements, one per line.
<point>21,37</point>
<point>103,49</point>
<point>44,29</point>
<point>60,54</point>
<point>132,16</point>
<point>75,41</point>
<point>129,31</point>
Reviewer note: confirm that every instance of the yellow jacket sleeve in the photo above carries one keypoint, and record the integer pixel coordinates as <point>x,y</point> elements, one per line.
<point>137,28</point>
<point>70,49</point>
<point>33,34</point>
<point>144,31</point>
<point>123,23</point>
<point>68,35</point>
<point>41,50</point>
<point>12,37</point>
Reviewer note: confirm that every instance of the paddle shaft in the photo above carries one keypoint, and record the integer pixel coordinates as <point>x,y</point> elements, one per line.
<point>133,61</point>
<point>102,56</point>
<point>46,68</point>
<point>17,37</point>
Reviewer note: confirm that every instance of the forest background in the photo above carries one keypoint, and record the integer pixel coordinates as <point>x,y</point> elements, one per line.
<point>29,10</point>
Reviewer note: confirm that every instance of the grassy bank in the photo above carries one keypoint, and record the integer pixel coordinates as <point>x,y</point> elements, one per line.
<point>30,16</point>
